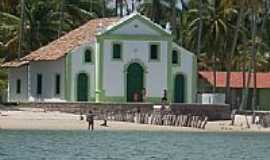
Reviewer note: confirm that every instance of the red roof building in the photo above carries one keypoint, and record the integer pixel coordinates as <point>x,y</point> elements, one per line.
<point>206,82</point>
<point>236,80</point>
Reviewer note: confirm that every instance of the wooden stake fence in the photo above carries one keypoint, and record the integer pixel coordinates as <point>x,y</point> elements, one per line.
<point>158,118</point>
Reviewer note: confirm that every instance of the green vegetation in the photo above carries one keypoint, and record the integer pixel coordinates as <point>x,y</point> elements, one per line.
<point>226,35</point>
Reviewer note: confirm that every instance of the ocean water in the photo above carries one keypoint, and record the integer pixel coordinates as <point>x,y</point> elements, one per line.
<point>132,145</point>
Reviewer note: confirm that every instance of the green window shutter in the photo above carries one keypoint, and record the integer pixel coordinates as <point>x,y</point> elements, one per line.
<point>154,51</point>
<point>57,84</point>
<point>174,57</point>
<point>18,86</point>
<point>88,56</point>
<point>39,84</point>
<point>117,51</point>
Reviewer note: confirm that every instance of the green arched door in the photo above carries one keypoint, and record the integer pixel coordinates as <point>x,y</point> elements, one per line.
<point>135,84</point>
<point>82,87</point>
<point>179,89</point>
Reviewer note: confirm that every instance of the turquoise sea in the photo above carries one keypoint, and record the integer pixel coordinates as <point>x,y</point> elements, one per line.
<point>136,145</point>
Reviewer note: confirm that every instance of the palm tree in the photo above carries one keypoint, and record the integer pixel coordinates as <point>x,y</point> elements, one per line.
<point>240,5</point>
<point>21,36</point>
<point>156,15</point>
<point>9,29</point>
<point>173,16</point>
<point>200,27</point>
<point>121,8</point>
<point>254,7</point>
<point>213,19</point>
<point>61,17</point>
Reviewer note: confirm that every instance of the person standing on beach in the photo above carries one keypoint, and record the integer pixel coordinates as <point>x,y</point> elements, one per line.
<point>90,120</point>
<point>164,99</point>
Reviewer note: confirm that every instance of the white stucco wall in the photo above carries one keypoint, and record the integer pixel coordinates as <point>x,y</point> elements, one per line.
<point>79,66</point>
<point>186,68</point>
<point>48,69</point>
<point>13,75</point>
<point>134,51</point>
<point>136,27</point>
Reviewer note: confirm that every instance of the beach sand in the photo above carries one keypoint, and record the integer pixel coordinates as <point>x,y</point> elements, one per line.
<point>37,119</point>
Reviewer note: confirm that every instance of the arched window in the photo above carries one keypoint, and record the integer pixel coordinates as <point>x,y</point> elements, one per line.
<point>88,56</point>
<point>175,59</point>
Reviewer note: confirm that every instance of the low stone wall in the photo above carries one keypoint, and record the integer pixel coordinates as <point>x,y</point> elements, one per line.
<point>95,107</point>
<point>213,112</point>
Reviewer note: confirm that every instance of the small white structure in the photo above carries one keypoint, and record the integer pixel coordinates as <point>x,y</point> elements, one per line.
<point>106,60</point>
<point>209,98</point>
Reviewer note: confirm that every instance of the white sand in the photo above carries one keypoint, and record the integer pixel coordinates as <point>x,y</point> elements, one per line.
<point>38,119</point>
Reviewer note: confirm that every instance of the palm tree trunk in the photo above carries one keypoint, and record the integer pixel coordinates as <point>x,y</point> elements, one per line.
<point>116,7</point>
<point>90,6</point>
<point>155,11</point>
<point>104,8</point>
<point>215,72</point>
<point>173,18</point>
<point>231,53</point>
<point>252,67</point>
<point>244,80</point>
<point>214,60</point>
<point>254,51</point>
<point>200,28</point>
<point>121,8</point>
<point>61,18</point>
<point>132,6</point>
<point>21,36</point>
<point>180,35</point>
<point>246,91</point>
<point>244,75</point>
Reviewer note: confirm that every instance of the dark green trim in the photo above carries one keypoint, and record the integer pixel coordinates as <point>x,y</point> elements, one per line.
<point>84,61</point>
<point>99,70</point>
<point>88,83</point>
<point>57,84</point>
<point>112,51</point>
<point>39,89</point>
<point>125,74</point>
<point>135,81</point>
<point>194,79</point>
<point>169,72</point>
<point>178,57</point>
<point>185,87</point>
<point>68,69</point>
<point>18,86</point>
<point>158,52</point>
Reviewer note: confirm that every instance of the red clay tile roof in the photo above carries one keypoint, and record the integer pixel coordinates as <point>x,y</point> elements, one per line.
<point>14,63</point>
<point>263,79</point>
<point>60,47</point>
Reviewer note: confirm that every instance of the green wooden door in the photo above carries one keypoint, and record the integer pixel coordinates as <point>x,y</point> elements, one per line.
<point>179,89</point>
<point>135,84</point>
<point>82,87</point>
